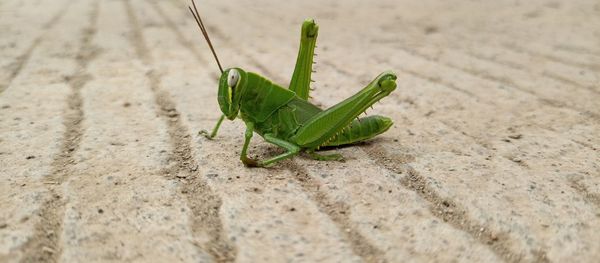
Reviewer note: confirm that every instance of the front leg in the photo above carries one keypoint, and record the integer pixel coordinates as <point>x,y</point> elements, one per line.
<point>211,135</point>
<point>248,136</point>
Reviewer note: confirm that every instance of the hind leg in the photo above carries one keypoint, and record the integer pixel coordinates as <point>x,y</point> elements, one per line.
<point>322,128</point>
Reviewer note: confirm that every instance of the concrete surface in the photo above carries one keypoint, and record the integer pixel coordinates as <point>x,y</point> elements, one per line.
<point>493,156</point>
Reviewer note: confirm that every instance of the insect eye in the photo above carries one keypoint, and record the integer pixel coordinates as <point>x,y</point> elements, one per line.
<point>233,77</point>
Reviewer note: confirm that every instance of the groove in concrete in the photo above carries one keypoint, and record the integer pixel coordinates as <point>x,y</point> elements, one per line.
<point>494,60</point>
<point>339,213</point>
<point>521,50</point>
<point>16,67</point>
<point>506,82</point>
<point>203,202</point>
<point>137,38</point>
<point>180,38</point>
<point>519,67</point>
<point>475,139</point>
<point>585,144</point>
<point>510,45</point>
<point>568,81</point>
<point>577,50</point>
<point>550,103</point>
<point>439,81</point>
<point>448,210</point>
<point>589,197</point>
<point>337,69</point>
<point>44,245</point>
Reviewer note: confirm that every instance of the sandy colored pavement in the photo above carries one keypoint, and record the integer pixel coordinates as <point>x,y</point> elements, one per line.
<point>493,157</point>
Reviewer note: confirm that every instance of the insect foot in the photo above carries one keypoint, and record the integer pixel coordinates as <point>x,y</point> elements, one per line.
<point>206,134</point>
<point>248,162</point>
<point>310,29</point>
<point>387,81</point>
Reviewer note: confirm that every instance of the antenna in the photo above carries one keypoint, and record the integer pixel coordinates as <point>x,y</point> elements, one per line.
<point>204,33</point>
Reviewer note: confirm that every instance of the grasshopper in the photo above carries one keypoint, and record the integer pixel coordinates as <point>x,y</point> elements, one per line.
<point>285,117</point>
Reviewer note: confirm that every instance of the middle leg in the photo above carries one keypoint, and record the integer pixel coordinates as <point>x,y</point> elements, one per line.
<point>291,148</point>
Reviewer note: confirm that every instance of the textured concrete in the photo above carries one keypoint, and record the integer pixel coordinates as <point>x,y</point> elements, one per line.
<point>493,156</point>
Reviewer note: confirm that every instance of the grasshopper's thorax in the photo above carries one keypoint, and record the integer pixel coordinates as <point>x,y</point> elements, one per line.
<point>261,98</point>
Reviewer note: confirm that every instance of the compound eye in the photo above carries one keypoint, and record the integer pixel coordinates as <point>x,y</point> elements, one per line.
<point>233,77</point>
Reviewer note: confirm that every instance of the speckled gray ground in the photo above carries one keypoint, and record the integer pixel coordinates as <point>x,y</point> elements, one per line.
<point>493,156</point>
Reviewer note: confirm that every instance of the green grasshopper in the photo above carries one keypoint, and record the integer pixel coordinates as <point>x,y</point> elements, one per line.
<point>284,117</point>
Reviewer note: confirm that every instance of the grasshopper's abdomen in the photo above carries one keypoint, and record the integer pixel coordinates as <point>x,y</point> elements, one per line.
<point>360,130</point>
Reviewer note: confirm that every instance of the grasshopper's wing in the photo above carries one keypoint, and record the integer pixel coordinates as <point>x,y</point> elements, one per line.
<point>300,83</point>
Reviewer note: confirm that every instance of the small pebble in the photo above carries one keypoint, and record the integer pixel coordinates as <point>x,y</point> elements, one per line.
<point>515,136</point>
<point>48,250</point>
